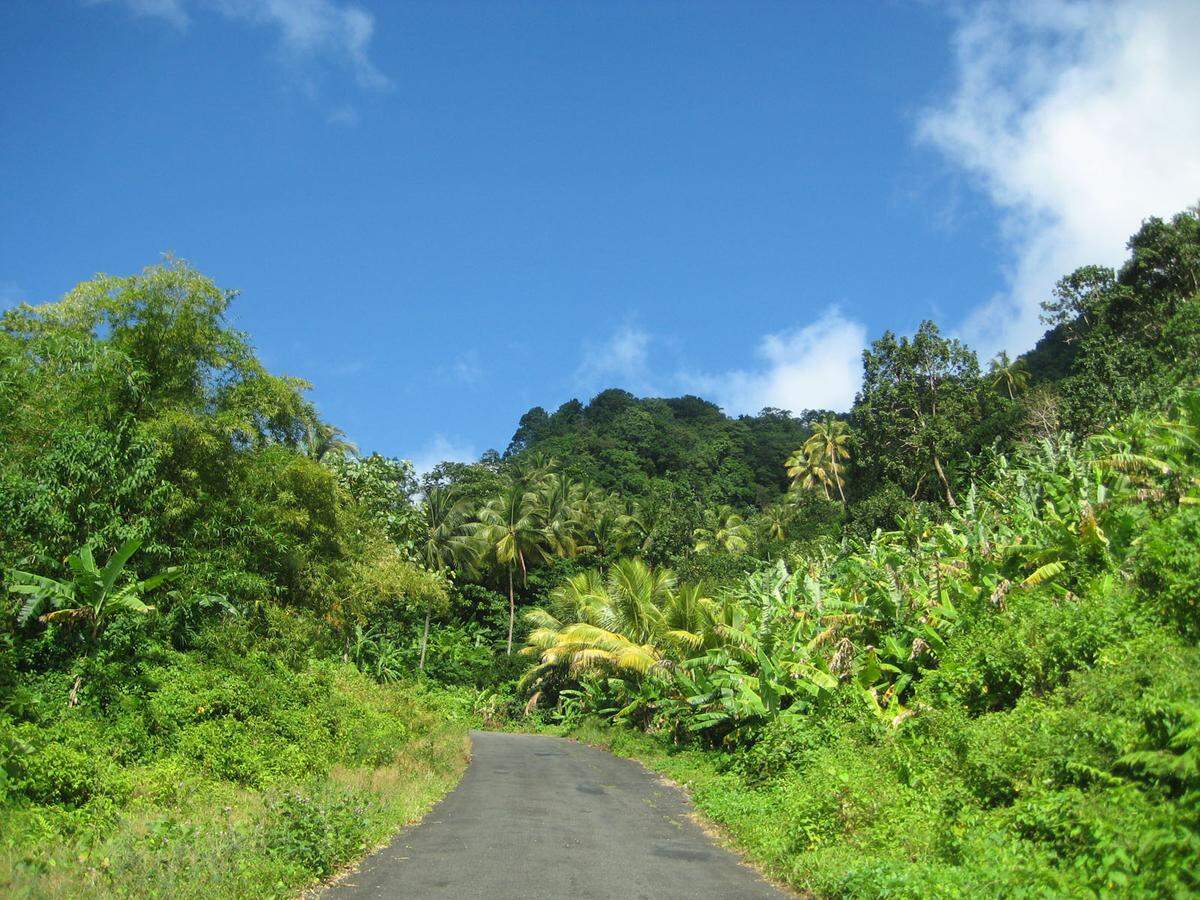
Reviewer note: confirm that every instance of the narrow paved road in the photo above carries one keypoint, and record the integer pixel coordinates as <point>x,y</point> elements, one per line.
<point>544,817</point>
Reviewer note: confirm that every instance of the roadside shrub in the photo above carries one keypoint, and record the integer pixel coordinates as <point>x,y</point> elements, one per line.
<point>1168,569</point>
<point>1030,646</point>
<point>319,833</point>
<point>780,745</point>
<point>53,772</point>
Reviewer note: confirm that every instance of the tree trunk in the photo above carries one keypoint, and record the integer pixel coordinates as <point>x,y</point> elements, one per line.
<point>937,464</point>
<point>73,697</point>
<point>425,635</point>
<point>917,489</point>
<point>512,609</point>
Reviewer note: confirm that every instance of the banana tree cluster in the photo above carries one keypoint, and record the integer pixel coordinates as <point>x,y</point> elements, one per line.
<point>872,617</point>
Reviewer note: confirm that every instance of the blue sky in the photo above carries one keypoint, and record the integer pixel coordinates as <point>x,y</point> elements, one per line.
<point>443,213</point>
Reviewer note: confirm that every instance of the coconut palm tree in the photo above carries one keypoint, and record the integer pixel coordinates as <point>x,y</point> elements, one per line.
<point>723,529</point>
<point>829,444</point>
<point>605,527</point>
<point>445,543</point>
<point>531,469</point>
<point>1010,375</point>
<point>637,526</point>
<point>627,622</point>
<point>511,528</point>
<point>322,440</point>
<point>561,498</point>
<point>774,521</point>
<point>807,472</point>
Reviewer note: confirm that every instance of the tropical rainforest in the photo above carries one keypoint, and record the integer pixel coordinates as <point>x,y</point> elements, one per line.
<point>943,643</point>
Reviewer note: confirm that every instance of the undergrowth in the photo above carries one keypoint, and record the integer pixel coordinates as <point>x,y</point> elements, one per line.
<point>218,775</point>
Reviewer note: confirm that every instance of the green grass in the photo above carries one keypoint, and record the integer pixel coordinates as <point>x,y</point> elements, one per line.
<point>220,780</point>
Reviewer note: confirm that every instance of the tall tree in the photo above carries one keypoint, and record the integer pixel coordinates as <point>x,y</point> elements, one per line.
<point>917,409</point>
<point>512,529</point>
<point>830,443</point>
<point>723,529</point>
<point>322,440</point>
<point>444,543</point>
<point>807,472</point>
<point>561,497</point>
<point>1007,374</point>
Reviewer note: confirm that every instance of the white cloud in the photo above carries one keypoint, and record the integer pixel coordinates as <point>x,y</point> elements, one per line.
<point>443,449</point>
<point>818,366</point>
<point>307,29</point>
<point>1078,119</point>
<point>620,361</point>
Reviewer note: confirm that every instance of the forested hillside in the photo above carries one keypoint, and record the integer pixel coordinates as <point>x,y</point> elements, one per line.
<point>940,643</point>
<point>633,446</point>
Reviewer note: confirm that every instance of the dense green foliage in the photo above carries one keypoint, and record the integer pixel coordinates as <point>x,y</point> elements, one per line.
<point>625,444</point>
<point>189,552</point>
<point>977,678</point>
<point>999,703</point>
<point>940,643</point>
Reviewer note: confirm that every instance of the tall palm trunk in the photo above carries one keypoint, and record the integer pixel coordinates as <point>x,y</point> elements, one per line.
<point>512,609</point>
<point>837,476</point>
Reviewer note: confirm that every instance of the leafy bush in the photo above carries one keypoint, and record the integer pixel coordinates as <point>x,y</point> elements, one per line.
<point>1168,569</point>
<point>319,833</point>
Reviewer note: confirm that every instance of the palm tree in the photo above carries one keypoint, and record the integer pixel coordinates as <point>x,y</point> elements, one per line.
<point>723,529</point>
<point>605,527</point>
<point>829,443</point>
<point>561,497</point>
<point>1011,375</point>
<point>775,520</point>
<point>511,527</point>
<point>637,525</point>
<point>323,440</point>
<point>444,544</point>
<point>628,622</point>
<point>531,469</point>
<point>807,472</point>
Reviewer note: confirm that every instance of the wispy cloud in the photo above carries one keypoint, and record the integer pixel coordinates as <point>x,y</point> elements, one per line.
<point>464,369</point>
<point>622,360</point>
<point>1078,119</point>
<point>817,366</point>
<point>443,449</point>
<point>309,31</point>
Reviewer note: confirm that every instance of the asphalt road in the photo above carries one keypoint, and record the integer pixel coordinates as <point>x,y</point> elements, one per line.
<point>544,817</point>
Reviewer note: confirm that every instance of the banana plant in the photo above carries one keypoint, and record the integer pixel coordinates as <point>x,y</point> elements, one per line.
<point>90,598</point>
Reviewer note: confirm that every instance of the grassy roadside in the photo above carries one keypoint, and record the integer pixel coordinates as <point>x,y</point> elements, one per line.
<point>223,782</point>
